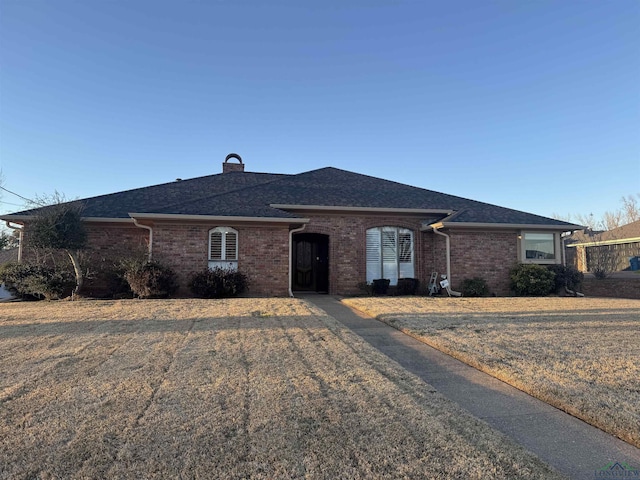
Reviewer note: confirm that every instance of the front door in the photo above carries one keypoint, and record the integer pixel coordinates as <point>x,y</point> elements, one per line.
<point>311,262</point>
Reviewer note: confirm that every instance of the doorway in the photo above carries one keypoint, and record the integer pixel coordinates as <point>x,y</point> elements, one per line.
<point>311,262</point>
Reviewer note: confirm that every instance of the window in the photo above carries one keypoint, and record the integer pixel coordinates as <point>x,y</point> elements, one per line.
<point>223,248</point>
<point>539,247</point>
<point>389,253</point>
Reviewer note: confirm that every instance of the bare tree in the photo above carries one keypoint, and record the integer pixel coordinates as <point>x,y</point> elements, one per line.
<point>58,225</point>
<point>631,208</point>
<point>603,258</point>
<point>627,213</point>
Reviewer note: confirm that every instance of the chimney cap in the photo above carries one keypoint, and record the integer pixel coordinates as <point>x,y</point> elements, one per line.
<point>233,155</point>
<point>232,167</point>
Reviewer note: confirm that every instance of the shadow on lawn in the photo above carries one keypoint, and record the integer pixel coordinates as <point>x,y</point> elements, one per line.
<point>142,326</point>
<point>615,318</point>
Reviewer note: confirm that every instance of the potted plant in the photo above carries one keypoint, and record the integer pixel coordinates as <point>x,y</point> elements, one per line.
<point>380,286</point>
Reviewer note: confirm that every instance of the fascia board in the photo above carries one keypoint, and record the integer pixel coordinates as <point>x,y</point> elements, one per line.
<point>521,226</point>
<point>216,218</point>
<point>15,218</point>
<point>605,242</point>
<point>22,218</point>
<point>107,220</point>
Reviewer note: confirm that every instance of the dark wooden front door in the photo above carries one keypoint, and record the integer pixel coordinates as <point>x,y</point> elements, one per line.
<point>311,262</point>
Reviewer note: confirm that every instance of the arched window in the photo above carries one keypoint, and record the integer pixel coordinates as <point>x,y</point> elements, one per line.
<point>223,247</point>
<point>389,253</point>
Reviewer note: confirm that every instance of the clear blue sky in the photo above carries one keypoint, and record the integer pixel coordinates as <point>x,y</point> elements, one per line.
<point>533,105</point>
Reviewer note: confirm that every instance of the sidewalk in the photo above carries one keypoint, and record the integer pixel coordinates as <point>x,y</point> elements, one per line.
<point>571,446</point>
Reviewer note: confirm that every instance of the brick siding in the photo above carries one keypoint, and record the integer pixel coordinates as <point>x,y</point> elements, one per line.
<point>612,287</point>
<point>489,255</point>
<point>264,251</point>
<point>263,254</point>
<point>347,247</point>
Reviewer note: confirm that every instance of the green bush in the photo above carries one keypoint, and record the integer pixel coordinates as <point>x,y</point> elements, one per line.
<point>569,277</point>
<point>37,281</point>
<point>407,286</point>
<point>151,279</point>
<point>474,287</point>
<point>218,283</point>
<point>532,280</point>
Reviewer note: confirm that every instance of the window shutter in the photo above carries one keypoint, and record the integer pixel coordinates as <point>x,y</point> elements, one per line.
<point>406,247</point>
<point>231,246</point>
<point>216,246</point>
<point>390,254</point>
<point>405,255</point>
<point>374,261</point>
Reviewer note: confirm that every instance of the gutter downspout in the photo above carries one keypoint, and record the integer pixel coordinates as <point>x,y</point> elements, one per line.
<point>291,232</point>
<point>20,238</point>
<point>448,248</point>
<point>147,227</point>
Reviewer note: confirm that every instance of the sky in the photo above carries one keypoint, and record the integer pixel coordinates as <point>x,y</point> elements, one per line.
<point>531,105</point>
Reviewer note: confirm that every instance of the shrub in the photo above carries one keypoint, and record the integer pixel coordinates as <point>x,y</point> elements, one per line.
<point>37,281</point>
<point>218,283</point>
<point>474,287</point>
<point>151,279</point>
<point>107,283</point>
<point>532,280</point>
<point>569,277</point>
<point>407,286</point>
<point>379,286</point>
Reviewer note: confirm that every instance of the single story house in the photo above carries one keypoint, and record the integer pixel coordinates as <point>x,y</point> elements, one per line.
<point>611,249</point>
<point>325,230</point>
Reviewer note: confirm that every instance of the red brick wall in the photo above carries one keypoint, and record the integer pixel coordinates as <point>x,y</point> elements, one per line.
<point>347,256</point>
<point>263,254</point>
<point>105,241</point>
<point>264,251</point>
<point>612,287</point>
<point>110,239</point>
<point>489,255</point>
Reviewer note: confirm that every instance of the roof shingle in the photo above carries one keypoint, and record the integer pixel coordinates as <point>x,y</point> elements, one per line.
<point>248,194</point>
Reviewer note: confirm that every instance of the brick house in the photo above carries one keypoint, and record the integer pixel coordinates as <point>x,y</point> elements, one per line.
<point>611,250</point>
<point>325,230</point>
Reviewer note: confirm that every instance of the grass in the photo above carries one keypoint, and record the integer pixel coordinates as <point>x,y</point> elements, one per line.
<point>581,355</point>
<point>244,388</point>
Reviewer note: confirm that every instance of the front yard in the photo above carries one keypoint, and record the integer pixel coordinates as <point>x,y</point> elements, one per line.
<point>579,354</point>
<point>246,388</point>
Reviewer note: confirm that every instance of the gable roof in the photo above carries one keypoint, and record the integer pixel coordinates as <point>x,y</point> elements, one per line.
<point>277,196</point>
<point>630,230</point>
<point>629,233</point>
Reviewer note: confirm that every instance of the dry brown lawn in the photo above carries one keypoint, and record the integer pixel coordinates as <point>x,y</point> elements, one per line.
<point>245,388</point>
<point>579,354</point>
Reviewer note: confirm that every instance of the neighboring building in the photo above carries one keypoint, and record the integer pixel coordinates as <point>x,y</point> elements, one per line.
<point>610,250</point>
<point>326,230</point>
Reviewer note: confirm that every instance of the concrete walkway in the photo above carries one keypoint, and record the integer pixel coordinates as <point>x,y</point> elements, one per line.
<point>571,446</point>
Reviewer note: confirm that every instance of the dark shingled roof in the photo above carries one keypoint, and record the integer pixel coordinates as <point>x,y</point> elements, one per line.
<point>619,234</point>
<point>249,194</point>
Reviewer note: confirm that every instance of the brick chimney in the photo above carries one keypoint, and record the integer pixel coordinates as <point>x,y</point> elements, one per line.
<point>232,167</point>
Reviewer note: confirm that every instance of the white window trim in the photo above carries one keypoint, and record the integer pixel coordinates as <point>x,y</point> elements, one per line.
<point>223,261</point>
<point>557,249</point>
<point>399,270</point>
